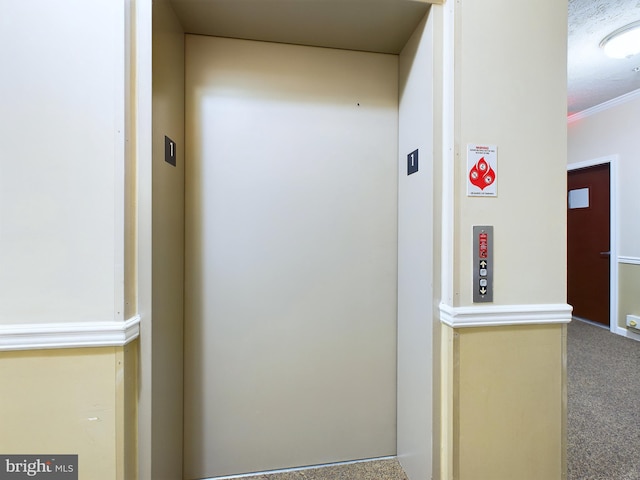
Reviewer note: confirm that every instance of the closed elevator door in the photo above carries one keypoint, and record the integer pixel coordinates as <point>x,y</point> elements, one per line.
<point>291,256</point>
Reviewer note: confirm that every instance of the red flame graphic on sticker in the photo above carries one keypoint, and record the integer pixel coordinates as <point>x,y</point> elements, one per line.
<point>482,175</point>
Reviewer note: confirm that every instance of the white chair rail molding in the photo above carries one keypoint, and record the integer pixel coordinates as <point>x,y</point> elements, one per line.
<point>69,335</point>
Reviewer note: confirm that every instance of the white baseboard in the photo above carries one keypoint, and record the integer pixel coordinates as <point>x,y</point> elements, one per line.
<point>68,335</point>
<point>626,332</point>
<point>502,315</point>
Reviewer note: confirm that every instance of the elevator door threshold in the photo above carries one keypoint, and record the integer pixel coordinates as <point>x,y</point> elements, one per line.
<point>386,468</point>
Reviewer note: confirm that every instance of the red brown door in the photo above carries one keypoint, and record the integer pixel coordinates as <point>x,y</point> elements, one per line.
<point>588,248</point>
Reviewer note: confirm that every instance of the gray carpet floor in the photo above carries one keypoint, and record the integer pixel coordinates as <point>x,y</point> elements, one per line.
<point>386,469</point>
<point>603,381</point>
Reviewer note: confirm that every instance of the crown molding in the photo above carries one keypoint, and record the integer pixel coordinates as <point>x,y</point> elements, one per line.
<point>68,335</point>
<point>503,315</point>
<point>627,97</point>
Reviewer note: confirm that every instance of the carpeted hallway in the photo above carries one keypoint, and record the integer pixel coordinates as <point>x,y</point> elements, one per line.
<point>385,469</point>
<point>603,372</point>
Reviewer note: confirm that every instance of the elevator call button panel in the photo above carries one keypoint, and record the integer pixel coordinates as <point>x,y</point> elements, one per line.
<point>482,264</point>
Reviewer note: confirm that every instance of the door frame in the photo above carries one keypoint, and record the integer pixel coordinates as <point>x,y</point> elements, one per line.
<point>612,160</point>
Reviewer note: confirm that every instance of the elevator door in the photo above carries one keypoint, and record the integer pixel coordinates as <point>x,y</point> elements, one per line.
<point>291,256</point>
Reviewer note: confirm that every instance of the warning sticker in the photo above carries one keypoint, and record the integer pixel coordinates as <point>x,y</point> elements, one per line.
<point>482,170</point>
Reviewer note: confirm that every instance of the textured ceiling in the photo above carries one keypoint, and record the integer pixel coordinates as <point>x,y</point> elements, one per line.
<point>594,78</point>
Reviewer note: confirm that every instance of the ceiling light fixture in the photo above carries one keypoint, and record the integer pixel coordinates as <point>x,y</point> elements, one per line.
<point>623,42</point>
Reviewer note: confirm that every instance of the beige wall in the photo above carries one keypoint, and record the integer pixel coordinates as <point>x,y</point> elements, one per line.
<point>441,435</point>
<point>511,92</point>
<point>444,438</point>
<point>72,401</point>
<point>64,127</point>
<point>63,210</point>
<point>162,357</point>
<point>131,165</point>
<point>415,254</point>
<point>510,421</point>
<point>127,384</point>
<point>628,299</point>
<point>606,132</point>
<point>63,137</point>
<point>503,386</point>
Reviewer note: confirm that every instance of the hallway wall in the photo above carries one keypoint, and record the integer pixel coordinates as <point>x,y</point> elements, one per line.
<point>503,371</point>
<point>509,403</point>
<point>63,231</point>
<point>62,162</point>
<point>162,360</point>
<point>509,97</point>
<point>415,254</point>
<point>64,286</point>
<point>72,401</point>
<point>602,132</point>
